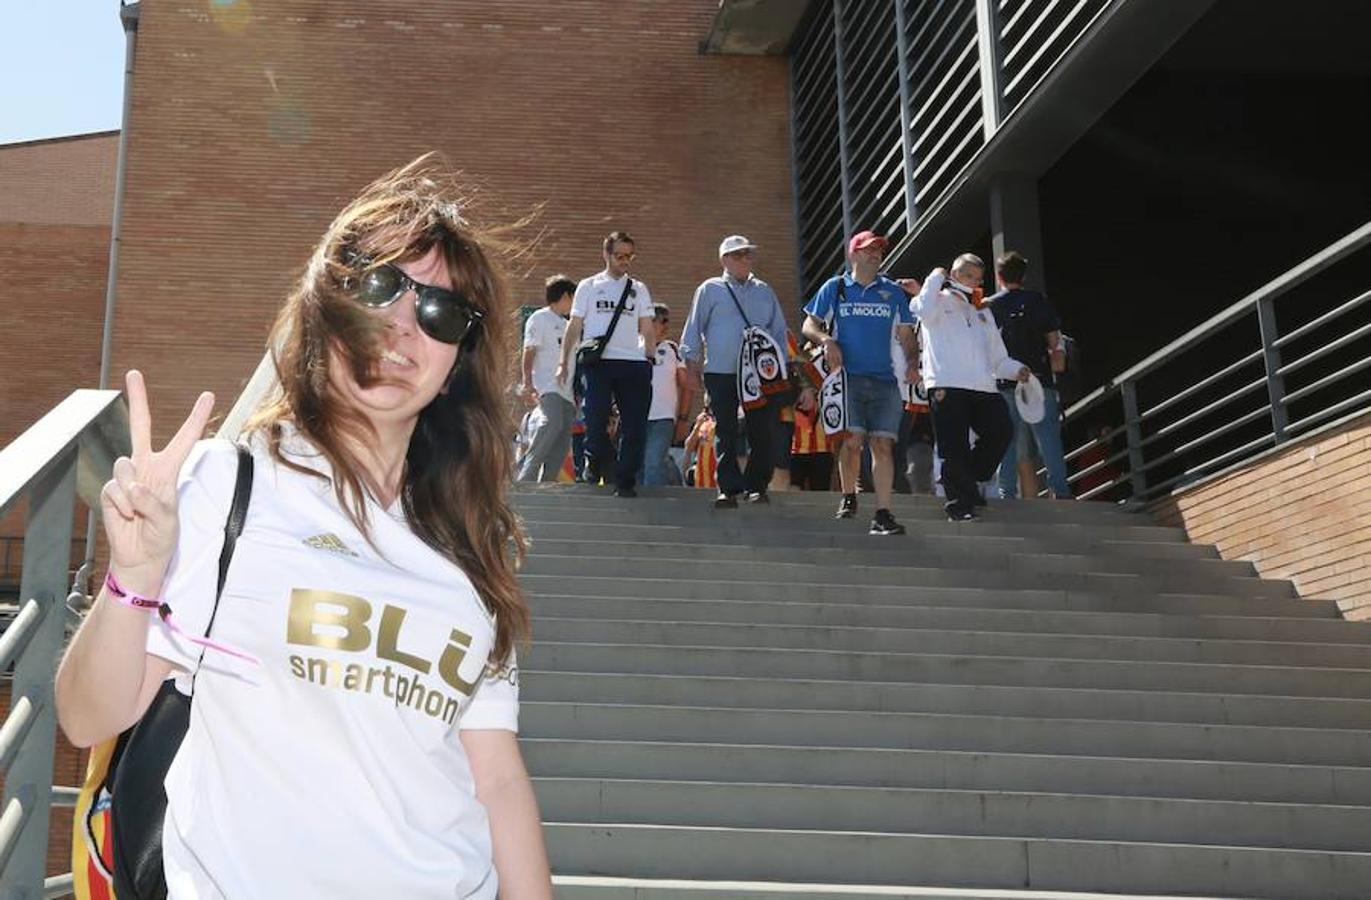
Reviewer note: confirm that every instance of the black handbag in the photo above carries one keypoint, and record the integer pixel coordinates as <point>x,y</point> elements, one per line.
<point>589,351</point>
<point>137,772</point>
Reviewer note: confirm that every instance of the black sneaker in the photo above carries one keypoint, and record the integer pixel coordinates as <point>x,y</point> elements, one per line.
<point>725,501</point>
<point>884,523</point>
<point>963,515</point>
<point>625,492</point>
<point>979,499</point>
<point>847,508</point>
<point>757,497</point>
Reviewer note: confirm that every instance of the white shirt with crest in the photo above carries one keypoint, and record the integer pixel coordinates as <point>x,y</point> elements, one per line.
<point>334,767</point>
<point>961,345</point>
<point>595,300</point>
<point>544,332</point>
<point>665,391</point>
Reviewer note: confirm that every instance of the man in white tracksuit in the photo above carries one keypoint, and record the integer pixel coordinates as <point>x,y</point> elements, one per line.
<point>963,354</point>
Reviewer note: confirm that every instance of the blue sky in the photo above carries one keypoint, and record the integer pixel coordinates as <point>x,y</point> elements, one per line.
<point>61,68</point>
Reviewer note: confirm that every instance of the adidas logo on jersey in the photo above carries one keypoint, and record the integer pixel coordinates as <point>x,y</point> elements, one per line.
<point>330,542</point>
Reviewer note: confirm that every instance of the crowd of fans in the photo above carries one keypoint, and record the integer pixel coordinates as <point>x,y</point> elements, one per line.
<point>892,385</point>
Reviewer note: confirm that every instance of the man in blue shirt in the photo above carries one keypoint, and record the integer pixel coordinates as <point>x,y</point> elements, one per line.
<point>1032,334</point>
<point>723,307</point>
<point>862,320</point>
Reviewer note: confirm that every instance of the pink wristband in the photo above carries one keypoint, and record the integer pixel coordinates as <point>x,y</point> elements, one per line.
<point>127,597</point>
<point>136,601</point>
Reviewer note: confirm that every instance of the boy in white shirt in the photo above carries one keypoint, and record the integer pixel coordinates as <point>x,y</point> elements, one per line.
<point>543,334</point>
<point>962,356</point>
<point>670,400</point>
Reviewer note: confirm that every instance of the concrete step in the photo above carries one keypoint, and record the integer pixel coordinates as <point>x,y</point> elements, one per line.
<point>939,731</point>
<point>820,502</point>
<point>1021,574</point>
<point>949,769</point>
<point>651,851</point>
<point>785,612</point>
<point>740,526</point>
<point>1013,576</point>
<point>765,702</point>
<point>582,887</point>
<point>1163,543</point>
<point>939,553</point>
<point>1010,700</point>
<point>978,813</point>
<point>1119,595</point>
<point>935,668</point>
<point>891,639</point>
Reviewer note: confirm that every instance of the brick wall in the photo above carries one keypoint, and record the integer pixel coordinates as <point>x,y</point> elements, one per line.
<point>1302,513</point>
<point>62,181</point>
<point>249,132</point>
<point>56,203</point>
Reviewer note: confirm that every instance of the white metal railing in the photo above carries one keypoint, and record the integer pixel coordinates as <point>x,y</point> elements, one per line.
<point>67,454</point>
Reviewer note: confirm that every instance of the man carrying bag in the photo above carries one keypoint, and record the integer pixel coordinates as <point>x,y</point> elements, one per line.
<point>616,359</point>
<point>736,334</point>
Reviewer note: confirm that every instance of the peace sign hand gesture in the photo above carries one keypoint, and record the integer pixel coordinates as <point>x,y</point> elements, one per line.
<point>139,503</point>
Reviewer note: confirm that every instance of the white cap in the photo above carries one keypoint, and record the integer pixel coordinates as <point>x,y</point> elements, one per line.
<point>1028,396</point>
<point>733,243</point>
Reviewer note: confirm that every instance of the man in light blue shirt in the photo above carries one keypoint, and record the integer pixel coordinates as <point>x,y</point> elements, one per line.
<point>861,320</point>
<point>723,307</point>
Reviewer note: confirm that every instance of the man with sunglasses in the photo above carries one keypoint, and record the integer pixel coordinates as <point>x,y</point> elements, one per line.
<point>623,374</point>
<point>543,334</point>
<point>724,307</point>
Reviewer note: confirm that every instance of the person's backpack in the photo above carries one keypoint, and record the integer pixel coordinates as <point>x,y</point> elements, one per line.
<point>116,847</point>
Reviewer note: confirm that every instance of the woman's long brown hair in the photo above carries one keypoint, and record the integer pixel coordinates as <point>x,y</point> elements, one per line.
<point>457,469</point>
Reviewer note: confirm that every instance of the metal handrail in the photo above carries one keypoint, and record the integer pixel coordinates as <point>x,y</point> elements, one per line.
<point>1156,458</point>
<point>68,453</point>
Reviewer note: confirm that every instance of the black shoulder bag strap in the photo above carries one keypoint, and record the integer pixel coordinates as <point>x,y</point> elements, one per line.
<point>618,310</point>
<point>138,773</point>
<point>729,288</point>
<point>233,526</point>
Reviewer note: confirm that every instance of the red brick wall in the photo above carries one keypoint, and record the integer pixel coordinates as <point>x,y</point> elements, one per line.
<point>249,133</point>
<point>62,181</point>
<point>56,203</point>
<point>1303,513</point>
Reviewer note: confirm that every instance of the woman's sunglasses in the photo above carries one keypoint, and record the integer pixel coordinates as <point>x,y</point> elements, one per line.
<point>444,315</point>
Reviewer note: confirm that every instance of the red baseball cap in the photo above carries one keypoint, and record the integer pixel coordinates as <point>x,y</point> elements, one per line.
<point>864,239</point>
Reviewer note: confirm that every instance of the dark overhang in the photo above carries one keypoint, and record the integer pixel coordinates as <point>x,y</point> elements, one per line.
<point>754,27</point>
<point>1118,48</point>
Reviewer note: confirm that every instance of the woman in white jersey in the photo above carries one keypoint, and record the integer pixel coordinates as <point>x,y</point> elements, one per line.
<point>368,747</point>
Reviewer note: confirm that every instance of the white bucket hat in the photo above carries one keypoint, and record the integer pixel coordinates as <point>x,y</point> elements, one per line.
<point>1028,397</point>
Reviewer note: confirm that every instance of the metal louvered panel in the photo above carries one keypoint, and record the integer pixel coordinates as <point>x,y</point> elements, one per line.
<point>818,165</point>
<point>890,105</point>
<point>944,90</point>
<point>1033,36</point>
<point>871,91</point>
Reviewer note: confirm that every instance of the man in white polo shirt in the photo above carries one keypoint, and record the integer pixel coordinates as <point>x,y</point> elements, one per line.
<point>543,334</point>
<point>623,374</point>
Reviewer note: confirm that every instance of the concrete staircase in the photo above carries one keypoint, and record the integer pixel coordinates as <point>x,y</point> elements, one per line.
<point>765,703</point>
